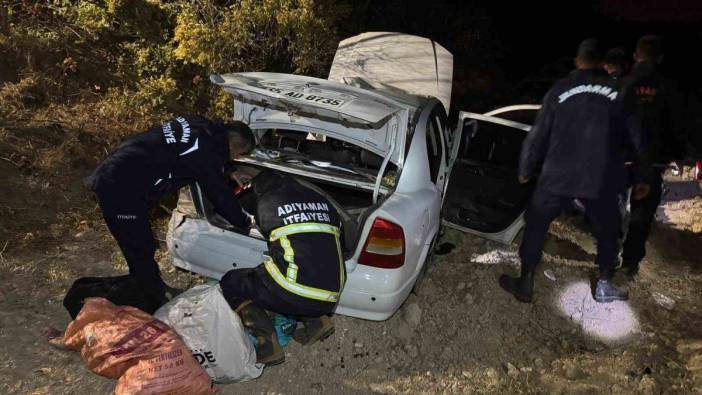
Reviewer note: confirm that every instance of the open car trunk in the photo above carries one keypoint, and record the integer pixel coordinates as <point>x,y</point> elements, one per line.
<point>353,205</point>
<point>483,195</point>
<point>326,165</point>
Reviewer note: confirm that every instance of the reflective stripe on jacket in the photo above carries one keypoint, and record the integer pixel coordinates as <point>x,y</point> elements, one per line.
<point>305,253</point>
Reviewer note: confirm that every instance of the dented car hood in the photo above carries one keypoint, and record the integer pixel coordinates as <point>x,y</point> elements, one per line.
<point>384,60</point>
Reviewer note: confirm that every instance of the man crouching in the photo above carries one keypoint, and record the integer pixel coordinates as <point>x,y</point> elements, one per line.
<point>303,274</point>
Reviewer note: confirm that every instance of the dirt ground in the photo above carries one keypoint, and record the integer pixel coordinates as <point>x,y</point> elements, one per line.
<point>459,334</point>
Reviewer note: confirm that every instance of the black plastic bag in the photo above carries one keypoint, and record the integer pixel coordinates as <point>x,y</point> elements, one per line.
<point>121,290</point>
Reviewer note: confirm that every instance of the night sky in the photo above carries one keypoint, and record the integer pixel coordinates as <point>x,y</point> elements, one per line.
<point>508,52</point>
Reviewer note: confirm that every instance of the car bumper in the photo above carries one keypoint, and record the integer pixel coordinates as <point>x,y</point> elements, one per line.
<point>369,293</point>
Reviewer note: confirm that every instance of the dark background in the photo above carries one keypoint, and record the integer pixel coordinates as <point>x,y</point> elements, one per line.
<point>509,52</point>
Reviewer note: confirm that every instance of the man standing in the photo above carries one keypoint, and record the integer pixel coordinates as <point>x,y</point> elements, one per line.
<point>130,181</point>
<point>304,273</point>
<point>615,63</point>
<point>657,102</point>
<point>579,140</point>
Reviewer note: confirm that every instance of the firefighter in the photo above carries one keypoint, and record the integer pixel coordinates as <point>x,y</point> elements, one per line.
<point>304,272</point>
<point>130,181</point>
<point>578,141</point>
<point>659,104</point>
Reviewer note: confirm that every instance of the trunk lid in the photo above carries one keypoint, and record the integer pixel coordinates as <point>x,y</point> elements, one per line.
<point>358,116</point>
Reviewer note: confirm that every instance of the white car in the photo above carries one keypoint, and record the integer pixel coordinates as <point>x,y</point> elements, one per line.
<point>374,140</point>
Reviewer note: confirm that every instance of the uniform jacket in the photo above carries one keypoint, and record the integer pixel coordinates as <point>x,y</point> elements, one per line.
<point>581,136</point>
<point>168,157</point>
<point>318,256</point>
<point>660,106</point>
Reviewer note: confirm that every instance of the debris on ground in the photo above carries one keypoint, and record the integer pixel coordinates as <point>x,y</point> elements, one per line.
<point>663,301</point>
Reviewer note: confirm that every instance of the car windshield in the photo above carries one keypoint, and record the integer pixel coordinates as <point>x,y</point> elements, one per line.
<point>316,151</point>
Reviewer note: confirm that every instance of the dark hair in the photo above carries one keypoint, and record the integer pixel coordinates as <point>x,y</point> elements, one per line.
<point>649,48</point>
<point>616,56</point>
<point>266,181</point>
<point>240,134</point>
<point>589,51</point>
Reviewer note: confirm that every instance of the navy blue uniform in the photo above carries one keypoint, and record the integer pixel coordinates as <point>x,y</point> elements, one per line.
<point>579,141</point>
<point>581,137</point>
<point>658,102</point>
<point>304,272</point>
<point>150,165</point>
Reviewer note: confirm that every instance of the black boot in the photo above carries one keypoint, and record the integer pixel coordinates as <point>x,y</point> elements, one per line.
<point>257,321</point>
<point>521,287</point>
<point>606,292</point>
<point>313,330</point>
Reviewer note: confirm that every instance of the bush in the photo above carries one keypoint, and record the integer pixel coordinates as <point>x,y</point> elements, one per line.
<point>148,59</point>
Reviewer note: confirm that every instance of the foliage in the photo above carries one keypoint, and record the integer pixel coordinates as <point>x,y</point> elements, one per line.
<point>287,35</point>
<point>148,59</point>
<point>112,66</point>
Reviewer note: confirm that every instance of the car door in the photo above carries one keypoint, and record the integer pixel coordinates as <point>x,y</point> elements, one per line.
<point>438,148</point>
<point>483,195</point>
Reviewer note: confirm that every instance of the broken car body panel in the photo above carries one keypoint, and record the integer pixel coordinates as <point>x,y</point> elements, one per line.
<point>414,65</point>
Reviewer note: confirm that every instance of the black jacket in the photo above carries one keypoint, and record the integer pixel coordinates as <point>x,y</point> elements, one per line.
<point>281,202</point>
<point>168,157</point>
<point>581,137</point>
<point>660,106</point>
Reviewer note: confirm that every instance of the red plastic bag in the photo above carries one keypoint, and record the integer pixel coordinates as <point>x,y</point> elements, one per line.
<point>146,355</point>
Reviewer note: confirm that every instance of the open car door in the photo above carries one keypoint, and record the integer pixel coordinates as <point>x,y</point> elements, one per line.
<point>483,195</point>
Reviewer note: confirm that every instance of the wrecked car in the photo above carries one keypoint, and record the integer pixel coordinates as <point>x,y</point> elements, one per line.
<point>374,139</point>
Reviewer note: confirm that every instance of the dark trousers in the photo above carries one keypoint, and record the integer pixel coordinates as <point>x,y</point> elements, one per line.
<point>127,218</point>
<point>544,207</point>
<point>643,212</point>
<point>255,284</point>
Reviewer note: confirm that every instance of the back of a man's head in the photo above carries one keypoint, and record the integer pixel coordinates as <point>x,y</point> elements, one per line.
<point>649,48</point>
<point>268,180</point>
<point>615,62</point>
<point>241,138</point>
<point>589,55</point>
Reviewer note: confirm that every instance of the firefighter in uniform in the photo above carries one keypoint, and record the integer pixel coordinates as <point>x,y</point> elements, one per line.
<point>130,181</point>
<point>304,272</point>
<point>579,141</point>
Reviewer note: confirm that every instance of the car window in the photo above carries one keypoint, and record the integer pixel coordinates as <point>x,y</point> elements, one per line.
<point>494,144</point>
<point>434,149</point>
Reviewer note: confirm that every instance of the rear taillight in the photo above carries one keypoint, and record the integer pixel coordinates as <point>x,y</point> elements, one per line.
<point>385,246</point>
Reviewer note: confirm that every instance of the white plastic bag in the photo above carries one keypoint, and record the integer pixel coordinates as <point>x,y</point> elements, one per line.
<point>213,332</point>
